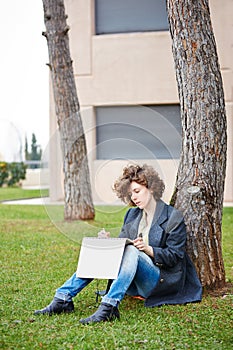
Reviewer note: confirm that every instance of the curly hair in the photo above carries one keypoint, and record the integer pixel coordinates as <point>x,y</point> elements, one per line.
<point>144,175</point>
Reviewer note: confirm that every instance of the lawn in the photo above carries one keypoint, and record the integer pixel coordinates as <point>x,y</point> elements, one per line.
<point>14,193</point>
<point>37,256</point>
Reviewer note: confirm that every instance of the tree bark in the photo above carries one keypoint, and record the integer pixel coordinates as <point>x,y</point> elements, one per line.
<point>200,179</point>
<point>77,188</point>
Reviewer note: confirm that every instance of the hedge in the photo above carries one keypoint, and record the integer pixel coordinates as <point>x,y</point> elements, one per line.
<point>12,173</point>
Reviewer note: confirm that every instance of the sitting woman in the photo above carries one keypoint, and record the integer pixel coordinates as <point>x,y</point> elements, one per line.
<point>156,267</point>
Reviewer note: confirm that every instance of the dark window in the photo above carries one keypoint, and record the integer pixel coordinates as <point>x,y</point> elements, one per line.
<point>138,132</point>
<point>124,16</point>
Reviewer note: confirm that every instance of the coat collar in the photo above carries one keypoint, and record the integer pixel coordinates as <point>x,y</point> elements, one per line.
<point>156,231</point>
<point>160,213</point>
<point>160,216</point>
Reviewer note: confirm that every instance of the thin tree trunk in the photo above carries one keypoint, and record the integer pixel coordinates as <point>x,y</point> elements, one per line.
<point>200,179</point>
<point>78,196</point>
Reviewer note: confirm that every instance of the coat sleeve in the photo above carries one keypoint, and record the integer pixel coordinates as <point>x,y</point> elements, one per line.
<point>129,220</point>
<point>123,233</point>
<point>172,247</point>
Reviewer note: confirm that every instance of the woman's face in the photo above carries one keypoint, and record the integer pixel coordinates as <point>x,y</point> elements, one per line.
<point>140,195</point>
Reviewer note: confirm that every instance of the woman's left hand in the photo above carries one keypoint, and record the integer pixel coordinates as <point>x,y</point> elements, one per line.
<point>140,245</point>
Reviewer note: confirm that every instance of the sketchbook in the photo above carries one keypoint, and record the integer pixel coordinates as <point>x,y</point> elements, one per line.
<point>101,257</point>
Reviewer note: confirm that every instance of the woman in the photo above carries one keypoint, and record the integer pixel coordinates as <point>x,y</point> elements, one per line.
<point>156,267</point>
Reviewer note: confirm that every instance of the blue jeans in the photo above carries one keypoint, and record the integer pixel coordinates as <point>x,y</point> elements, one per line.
<point>137,276</point>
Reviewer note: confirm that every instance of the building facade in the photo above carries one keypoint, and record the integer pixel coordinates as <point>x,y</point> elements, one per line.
<point>127,90</point>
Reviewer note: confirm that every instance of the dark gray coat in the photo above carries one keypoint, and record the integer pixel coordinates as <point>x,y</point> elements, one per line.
<point>178,282</point>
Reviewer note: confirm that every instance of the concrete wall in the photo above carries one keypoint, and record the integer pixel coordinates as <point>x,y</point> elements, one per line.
<point>36,178</point>
<point>131,69</point>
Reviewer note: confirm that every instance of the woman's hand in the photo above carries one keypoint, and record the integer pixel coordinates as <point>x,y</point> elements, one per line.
<point>103,234</point>
<point>140,245</point>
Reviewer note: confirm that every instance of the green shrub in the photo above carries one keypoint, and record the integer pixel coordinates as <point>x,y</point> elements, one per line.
<point>3,173</point>
<point>12,173</point>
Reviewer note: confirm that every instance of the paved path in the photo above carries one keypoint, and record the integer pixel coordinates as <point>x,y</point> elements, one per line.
<point>46,201</point>
<point>33,201</point>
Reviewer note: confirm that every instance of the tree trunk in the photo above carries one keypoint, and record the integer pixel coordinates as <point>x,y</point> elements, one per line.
<point>200,179</point>
<point>78,196</point>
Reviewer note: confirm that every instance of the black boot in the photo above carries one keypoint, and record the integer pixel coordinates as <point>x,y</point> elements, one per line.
<point>57,306</point>
<point>105,312</point>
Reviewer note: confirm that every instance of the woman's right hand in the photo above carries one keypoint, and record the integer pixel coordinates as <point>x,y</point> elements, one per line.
<point>103,234</point>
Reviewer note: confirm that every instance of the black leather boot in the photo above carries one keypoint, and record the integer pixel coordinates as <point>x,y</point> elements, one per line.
<point>105,312</point>
<point>57,306</point>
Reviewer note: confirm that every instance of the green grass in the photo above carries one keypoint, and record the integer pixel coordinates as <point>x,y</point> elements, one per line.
<point>227,242</point>
<point>14,193</point>
<point>36,257</point>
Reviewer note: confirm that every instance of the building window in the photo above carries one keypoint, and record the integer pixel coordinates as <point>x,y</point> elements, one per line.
<point>138,132</point>
<point>125,16</point>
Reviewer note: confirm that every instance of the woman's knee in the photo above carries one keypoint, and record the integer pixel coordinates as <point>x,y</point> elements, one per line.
<point>130,256</point>
<point>130,250</point>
